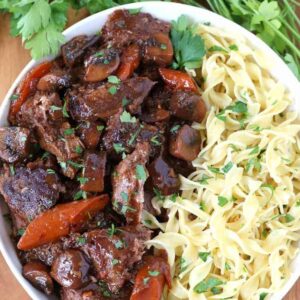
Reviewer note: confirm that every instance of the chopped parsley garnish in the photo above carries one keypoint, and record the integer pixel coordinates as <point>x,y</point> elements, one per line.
<point>81,240</point>
<point>146,280</point>
<point>64,110</point>
<point>158,194</point>
<point>216,290</point>
<point>118,147</point>
<point>221,116</point>
<point>153,273</point>
<point>55,108</point>
<point>112,230</point>
<point>112,90</point>
<point>204,179</point>
<point>174,128</point>
<point>140,173</point>
<point>127,118</point>
<point>21,231</point>
<point>12,170</point>
<point>207,284</point>
<point>189,48</point>
<point>214,170</point>
<point>119,244</point>
<point>182,265</point>
<point>288,218</point>
<point>234,47</point>
<point>262,296</point>
<point>254,150</point>
<point>126,208</point>
<point>134,11</point>
<point>268,186</point>
<point>202,205</point>
<point>234,148</point>
<point>115,261</point>
<point>82,180</point>
<point>113,79</point>
<point>125,101</point>
<point>163,46</point>
<point>227,266</point>
<point>80,195</point>
<point>134,136</point>
<point>23,138</point>
<point>50,171</point>
<point>216,48</point>
<point>69,131</point>
<point>253,163</point>
<point>75,164</point>
<point>78,149</point>
<point>99,54</point>
<point>63,165</point>
<point>14,97</point>
<point>222,201</point>
<point>100,127</point>
<point>238,107</point>
<point>148,222</point>
<point>204,255</point>
<point>173,197</point>
<point>154,140</point>
<point>227,167</point>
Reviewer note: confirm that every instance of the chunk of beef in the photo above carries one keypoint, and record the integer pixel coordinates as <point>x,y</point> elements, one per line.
<point>47,162</point>
<point>71,269</point>
<point>90,133</point>
<point>188,106</point>
<point>43,113</point>
<point>185,143</point>
<point>113,253</point>
<point>38,274</point>
<point>28,193</point>
<point>57,79</point>
<point>101,64</point>
<point>14,144</point>
<point>95,291</point>
<point>180,166</point>
<point>163,177</point>
<point>46,253</point>
<point>94,171</point>
<point>123,28</point>
<point>128,184</point>
<point>74,50</point>
<point>105,100</point>
<point>121,136</point>
<point>158,115</point>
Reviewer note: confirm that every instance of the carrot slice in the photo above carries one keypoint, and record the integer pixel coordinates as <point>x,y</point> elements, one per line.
<point>28,85</point>
<point>151,279</point>
<point>178,80</point>
<point>60,221</point>
<point>130,60</point>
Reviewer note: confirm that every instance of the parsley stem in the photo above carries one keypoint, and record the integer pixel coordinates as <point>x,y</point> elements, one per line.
<point>293,14</point>
<point>287,25</point>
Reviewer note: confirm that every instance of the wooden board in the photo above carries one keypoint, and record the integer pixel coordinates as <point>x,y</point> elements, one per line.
<point>13,58</point>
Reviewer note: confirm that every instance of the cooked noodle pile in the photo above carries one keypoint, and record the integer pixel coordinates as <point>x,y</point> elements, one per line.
<point>232,233</point>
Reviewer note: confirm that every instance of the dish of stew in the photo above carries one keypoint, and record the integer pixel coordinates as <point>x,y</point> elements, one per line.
<point>93,135</point>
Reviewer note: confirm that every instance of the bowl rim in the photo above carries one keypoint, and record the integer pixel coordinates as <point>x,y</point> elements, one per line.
<point>156,8</point>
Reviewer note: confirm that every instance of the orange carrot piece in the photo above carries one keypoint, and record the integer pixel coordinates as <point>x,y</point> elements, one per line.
<point>151,279</point>
<point>178,80</point>
<point>130,60</point>
<point>60,221</point>
<point>28,84</point>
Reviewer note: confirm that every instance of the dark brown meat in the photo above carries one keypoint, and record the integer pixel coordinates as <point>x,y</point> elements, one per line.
<point>180,166</point>
<point>46,253</point>
<point>123,28</point>
<point>28,193</point>
<point>163,177</point>
<point>90,133</point>
<point>128,184</point>
<point>38,274</point>
<point>114,252</point>
<point>105,100</point>
<point>70,269</point>
<point>94,171</point>
<point>188,106</point>
<point>14,144</point>
<point>74,50</point>
<point>95,291</point>
<point>101,64</point>
<point>185,143</point>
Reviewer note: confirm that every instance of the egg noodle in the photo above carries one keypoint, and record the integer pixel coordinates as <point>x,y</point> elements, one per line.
<point>233,231</point>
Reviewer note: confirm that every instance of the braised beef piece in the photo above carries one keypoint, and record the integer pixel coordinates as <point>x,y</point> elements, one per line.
<point>101,64</point>
<point>124,27</point>
<point>93,171</point>
<point>43,113</point>
<point>48,162</point>
<point>90,133</point>
<point>114,251</point>
<point>185,143</point>
<point>71,269</point>
<point>38,274</point>
<point>128,184</point>
<point>188,106</point>
<point>74,50</point>
<point>105,100</point>
<point>158,115</point>
<point>14,144</point>
<point>180,166</point>
<point>28,193</point>
<point>163,177</point>
<point>46,253</point>
<point>96,291</point>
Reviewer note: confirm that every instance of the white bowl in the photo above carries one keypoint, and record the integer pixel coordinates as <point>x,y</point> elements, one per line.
<point>165,11</point>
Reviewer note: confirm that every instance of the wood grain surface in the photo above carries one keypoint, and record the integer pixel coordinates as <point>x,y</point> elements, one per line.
<point>13,58</point>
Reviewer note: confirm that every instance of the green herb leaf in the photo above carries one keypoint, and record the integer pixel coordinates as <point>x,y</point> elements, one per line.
<point>75,164</point>
<point>289,218</point>
<point>127,118</point>
<point>55,108</point>
<point>78,149</point>
<point>64,110</point>
<point>227,167</point>
<point>100,127</point>
<point>158,194</point>
<point>81,240</point>
<point>222,201</point>
<point>21,231</point>
<point>118,147</point>
<point>217,49</point>
<point>112,230</point>
<point>207,284</point>
<point>204,179</point>
<point>174,128</point>
<point>50,171</point>
<point>233,47</point>
<point>112,90</point>
<point>113,79</point>
<point>153,273</point>
<point>125,101</point>
<point>119,244</point>
<point>204,255</point>
<point>238,107</point>
<point>140,173</point>
<point>115,261</point>
<point>255,150</point>
<point>214,170</point>
<point>80,195</point>
<point>69,131</point>
<point>124,196</point>
<point>135,11</point>
<point>263,295</point>
<point>146,280</point>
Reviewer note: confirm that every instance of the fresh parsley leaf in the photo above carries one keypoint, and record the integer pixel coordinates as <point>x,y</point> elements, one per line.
<point>82,180</point>
<point>154,140</point>
<point>118,147</point>
<point>174,128</point>
<point>69,131</point>
<point>204,255</point>
<point>112,230</point>
<point>113,90</point>
<point>100,127</point>
<point>80,195</point>
<point>50,171</point>
<point>254,150</point>
<point>263,295</point>
<point>153,273</point>
<point>146,280</point>
<point>127,118</point>
<point>118,244</point>
<point>216,290</point>
<point>78,149</point>
<point>125,101</point>
<point>238,107</point>
<point>222,201</point>
<point>115,261</point>
<point>158,194</point>
<point>233,47</point>
<point>227,167</point>
<point>214,170</point>
<point>64,110</point>
<point>189,48</point>
<point>12,170</point>
<point>124,196</point>
<point>135,11</point>
<point>221,116</point>
<point>253,163</point>
<point>81,240</point>
<point>75,164</point>
<point>113,79</point>
<point>204,179</point>
<point>55,108</point>
<point>20,231</point>
<point>217,49</point>
<point>289,218</point>
<point>140,173</point>
<point>207,284</point>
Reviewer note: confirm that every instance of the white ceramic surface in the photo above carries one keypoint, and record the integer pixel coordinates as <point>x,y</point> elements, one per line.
<point>166,11</point>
